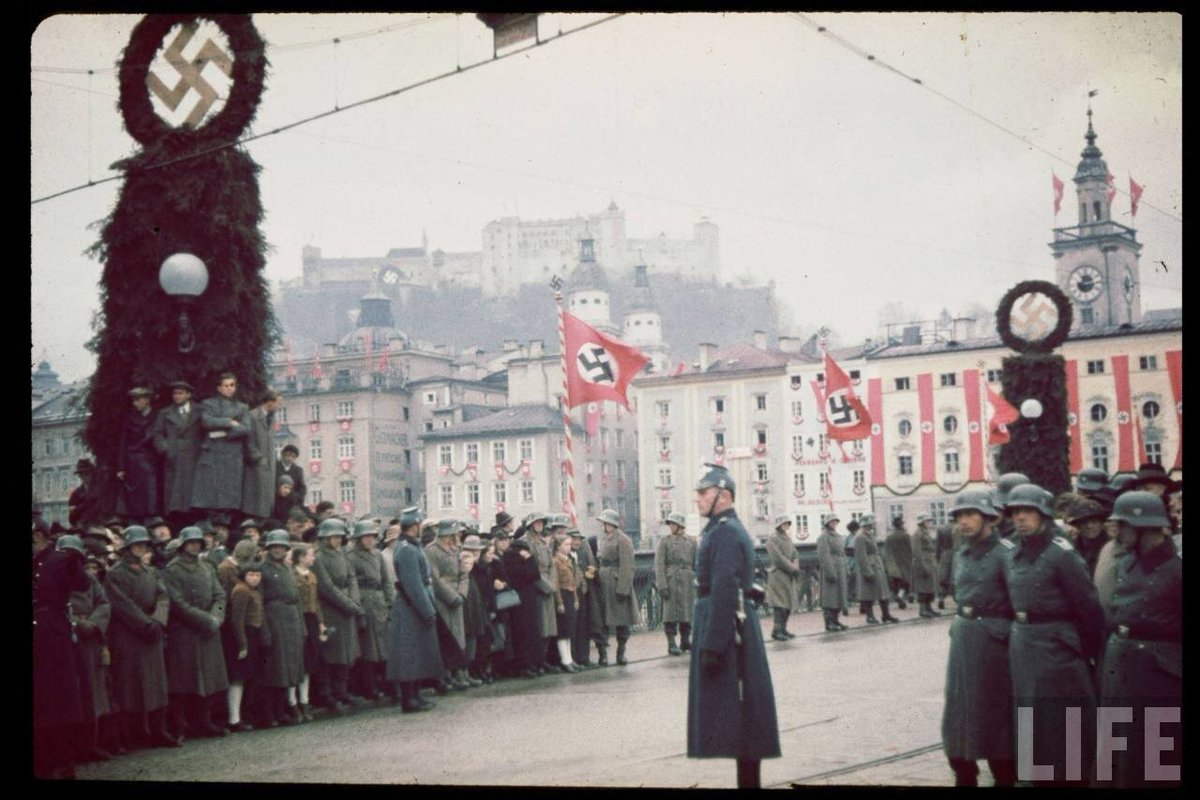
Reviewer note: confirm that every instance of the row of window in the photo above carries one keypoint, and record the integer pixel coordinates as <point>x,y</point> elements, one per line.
<point>446,493</point>
<point>1100,454</point>
<point>52,482</point>
<point>63,446</point>
<point>471,452</point>
<point>589,470</point>
<point>1099,412</point>
<point>617,438</point>
<point>951,464</point>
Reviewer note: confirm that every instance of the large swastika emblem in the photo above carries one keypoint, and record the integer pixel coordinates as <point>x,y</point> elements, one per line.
<point>596,365</point>
<point>840,411</point>
<point>188,55</point>
<point>1034,316</point>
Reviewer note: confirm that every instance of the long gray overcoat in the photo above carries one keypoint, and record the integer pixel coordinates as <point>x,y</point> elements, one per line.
<point>258,478</point>
<point>783,572</point>
<point>177,438</point>
<point>283,661</point>
<point>376,594</point>
<point>195,659</point>
<point>449,588</point>
<point>413,652</point>
<point>337,589</point>
<point>92,614</point>
<point>977,719</point>
<point>725,721</point>
<point>898,555</point>
<point>218,482</point>
<point>871,575</point>
<point>831,554</point>
<point>675,571</point>
<point>615,552</point>
<point>135,637</point>
<point>547,585</point>
<point>924,563</point>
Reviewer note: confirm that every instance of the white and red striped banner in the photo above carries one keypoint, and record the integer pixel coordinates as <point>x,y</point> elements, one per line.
<point>928,440</point>
<point>1074,429</point>
<point>975,432</point>
<point>1125,454</point>
<point>875,408</point>
<point>1175,373</point>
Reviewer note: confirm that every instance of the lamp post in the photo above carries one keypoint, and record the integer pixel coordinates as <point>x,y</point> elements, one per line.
<point>184,277</point>
<point>1031,409</point>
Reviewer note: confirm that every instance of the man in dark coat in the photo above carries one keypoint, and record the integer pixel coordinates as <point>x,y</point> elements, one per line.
<point>831,553</point>
<point>58,701</point>
<point>258,478</point>
<point>413,653</point>
<point>871,574</point>
<point>226,425</point>
<point>83,503</point>
<point>946,548</point>
<point>1058,632</point>
<point>731,702</point>
<point>160,537</point>
<point>177,439</point>
<point>283,661</point>
<point>137,471</point>
<point>286,465</point>
<point>589,624</point>
<point>977,721</point>
<point>924,565</point>
<point>897,559</point>
<point>1143,659</point>
<point>194,657</point>
<point>377,595</point>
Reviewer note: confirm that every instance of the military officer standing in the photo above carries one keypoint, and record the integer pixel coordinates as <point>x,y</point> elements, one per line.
<point>450,584</point>
<point>831,553</point>
<point>731,702</point>
<point>1143,660</point>
<point>546,585</point>
<point>783,575</point>
<point>872,577</point>
<point>978,716</point>
<point>924,565</point>
<point>615,553</point>
<point>338,590</point>
<point>674,575</point>
<point>377,594</point>
<point>283,662</point>
<point>413,654</point>
<point>1057,631</point>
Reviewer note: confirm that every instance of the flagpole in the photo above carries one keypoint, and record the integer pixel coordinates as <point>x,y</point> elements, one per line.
<point>985,429</point>
<point>566,408</point>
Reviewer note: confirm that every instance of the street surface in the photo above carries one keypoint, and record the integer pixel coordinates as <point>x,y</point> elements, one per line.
<point>857,708</point>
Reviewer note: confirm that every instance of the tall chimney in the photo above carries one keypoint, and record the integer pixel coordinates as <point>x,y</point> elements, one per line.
<point>789,344</point>
<point>708,354</point>
<point>536,348</point>
<point>760,340</point>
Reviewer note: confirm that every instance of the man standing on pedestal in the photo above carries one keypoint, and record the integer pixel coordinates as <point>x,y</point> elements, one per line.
<point>226,423</point>
<point>177,438</point>
<point>137,497</point>
<point>258,479</point>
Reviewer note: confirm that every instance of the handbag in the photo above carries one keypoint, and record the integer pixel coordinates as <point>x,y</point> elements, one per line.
<point>507,599</point>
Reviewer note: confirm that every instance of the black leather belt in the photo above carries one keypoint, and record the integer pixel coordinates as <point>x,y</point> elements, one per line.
<point>970,612</point>
<point>1125,632</point>
<point>1034,618</point>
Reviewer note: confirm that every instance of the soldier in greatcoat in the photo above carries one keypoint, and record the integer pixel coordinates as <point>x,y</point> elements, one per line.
<point>731,702</point>
<point>615,554</point>
<point>413,654</point>
<point>450,585</point>
<point>258,477</point>
<point>376,594</point>
<point>1143,658</point>
<point>675,577</point>
<point>1057,635</point>
<point>897,559</point>
<point>783,576</point>
<point>91,614</point>
<point>137,468</point>
<point>140,606</point>
<point>831,554</point>
<point>338,590</point>
<point>871,574</point>
<point>947,546</point>
<point>283,662</point>
<point>1005,484</point>
<point>924,565</point>
<point>977,721</point>
<point>546,585</point>
<point>225,423</point>
<point>177,439</point>
<point>194,656</point>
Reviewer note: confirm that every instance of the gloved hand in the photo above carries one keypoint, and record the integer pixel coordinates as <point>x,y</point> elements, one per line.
<point>710,662</point>
<point>214,623</point>
<point>664,593</point>
<point>242,654</point>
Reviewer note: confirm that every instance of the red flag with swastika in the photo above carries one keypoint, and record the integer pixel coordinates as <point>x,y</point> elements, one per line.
<point>846,417</point>
<point>1001,414</point>
<point>1057,183</point>
<point>1135,195</point>
<point>598,367</point>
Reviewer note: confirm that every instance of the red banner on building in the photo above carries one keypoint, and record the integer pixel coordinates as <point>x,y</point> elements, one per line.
<point>1074,429</point>
<point>1126,458</point>
<point>928,441</point>
<point>1175,373</point>
<point>875,409</point>
<point>975,433</point>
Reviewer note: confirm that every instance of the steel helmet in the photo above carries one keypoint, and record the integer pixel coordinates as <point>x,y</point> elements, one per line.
<point>331,527</point>
<point>1029,495</point>
<point>277,538</point>
<point>717,475</point>
<point>1140,510</point>
<point>1091,479</point>
<point>191,534</point>
<point>363,528</point>
<point>135,534</point>
<point>69,542</point>
<point>781,520</point>
<point>609,517</point>
<point>1005,484</point>
<point>676,518</point>
<point>975,500</point>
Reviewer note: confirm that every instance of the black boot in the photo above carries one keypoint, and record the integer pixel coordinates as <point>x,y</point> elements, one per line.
<point>672,648</point>
<point>887,614</point>
<point>206,726</point>
<point>829,625</point>
<point>786,615</point>
<point>779,634</point>
<point>602,649</point>
<point>159,735</point>
<point>868,609</point>
<point>411,700</point>
<point>837,624</point>
<point>685,636</point>
<point>621,652</point>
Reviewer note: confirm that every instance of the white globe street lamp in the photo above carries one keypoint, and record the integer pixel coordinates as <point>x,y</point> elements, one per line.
<point>184,277</point>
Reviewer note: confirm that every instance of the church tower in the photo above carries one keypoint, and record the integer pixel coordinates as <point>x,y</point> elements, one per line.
<point>1097,260</point>
<point>587,290</point>
<point>643,324</point>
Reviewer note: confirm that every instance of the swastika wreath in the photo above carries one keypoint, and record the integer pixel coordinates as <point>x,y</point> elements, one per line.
<point>1054,338</point>
<point>248,76</point>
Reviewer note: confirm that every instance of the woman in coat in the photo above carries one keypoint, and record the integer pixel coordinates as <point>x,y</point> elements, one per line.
<point>615,553</point>
<point>413,654</point>
<point>566,575</point>
<point>831,554</point>
<point>376,594</point>
<point>525,630</point>
<point>225,423</point>
<point>872,576</point>
<point>675,577</point>
<point>195,659</point>
<point>135,639</point>
<point>547,584</point>
<point>338,590</point>
<point>283,662</point>
<point>783,575</point>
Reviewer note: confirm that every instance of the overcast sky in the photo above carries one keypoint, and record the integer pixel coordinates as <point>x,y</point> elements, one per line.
<point>849,185</point>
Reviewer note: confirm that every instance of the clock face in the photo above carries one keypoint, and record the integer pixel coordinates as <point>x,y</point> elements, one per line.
<point>1128,285</point>
<point>1086,284</point>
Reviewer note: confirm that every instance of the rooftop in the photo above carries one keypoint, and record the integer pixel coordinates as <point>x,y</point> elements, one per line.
<point>528,418</point>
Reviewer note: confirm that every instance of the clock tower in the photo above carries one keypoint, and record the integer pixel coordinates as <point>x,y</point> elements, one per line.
<point>1097,260</point>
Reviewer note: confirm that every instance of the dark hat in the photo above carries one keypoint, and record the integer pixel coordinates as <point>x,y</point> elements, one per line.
<point>140,391</point>
<point>716,475</point>
<point>284,480</point>
<point>250,522</point>
<point>521,544</point>
<point>221,519</point>
<point>503,518</point>
<point>183,385</point>
<point>249,566</point>
<point>1086,511</point>
<point>290,448</point>
<point>154,522</point>
<point>1147,474</point>
<point>410,516</point>
<point>84,465</point>
<point>852,526</point>
<point>500,532</point>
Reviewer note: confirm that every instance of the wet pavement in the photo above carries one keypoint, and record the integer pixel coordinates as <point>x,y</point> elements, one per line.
<point>862,707</point>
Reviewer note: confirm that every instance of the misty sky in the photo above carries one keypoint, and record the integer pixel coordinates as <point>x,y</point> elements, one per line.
<point>848,185</point>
